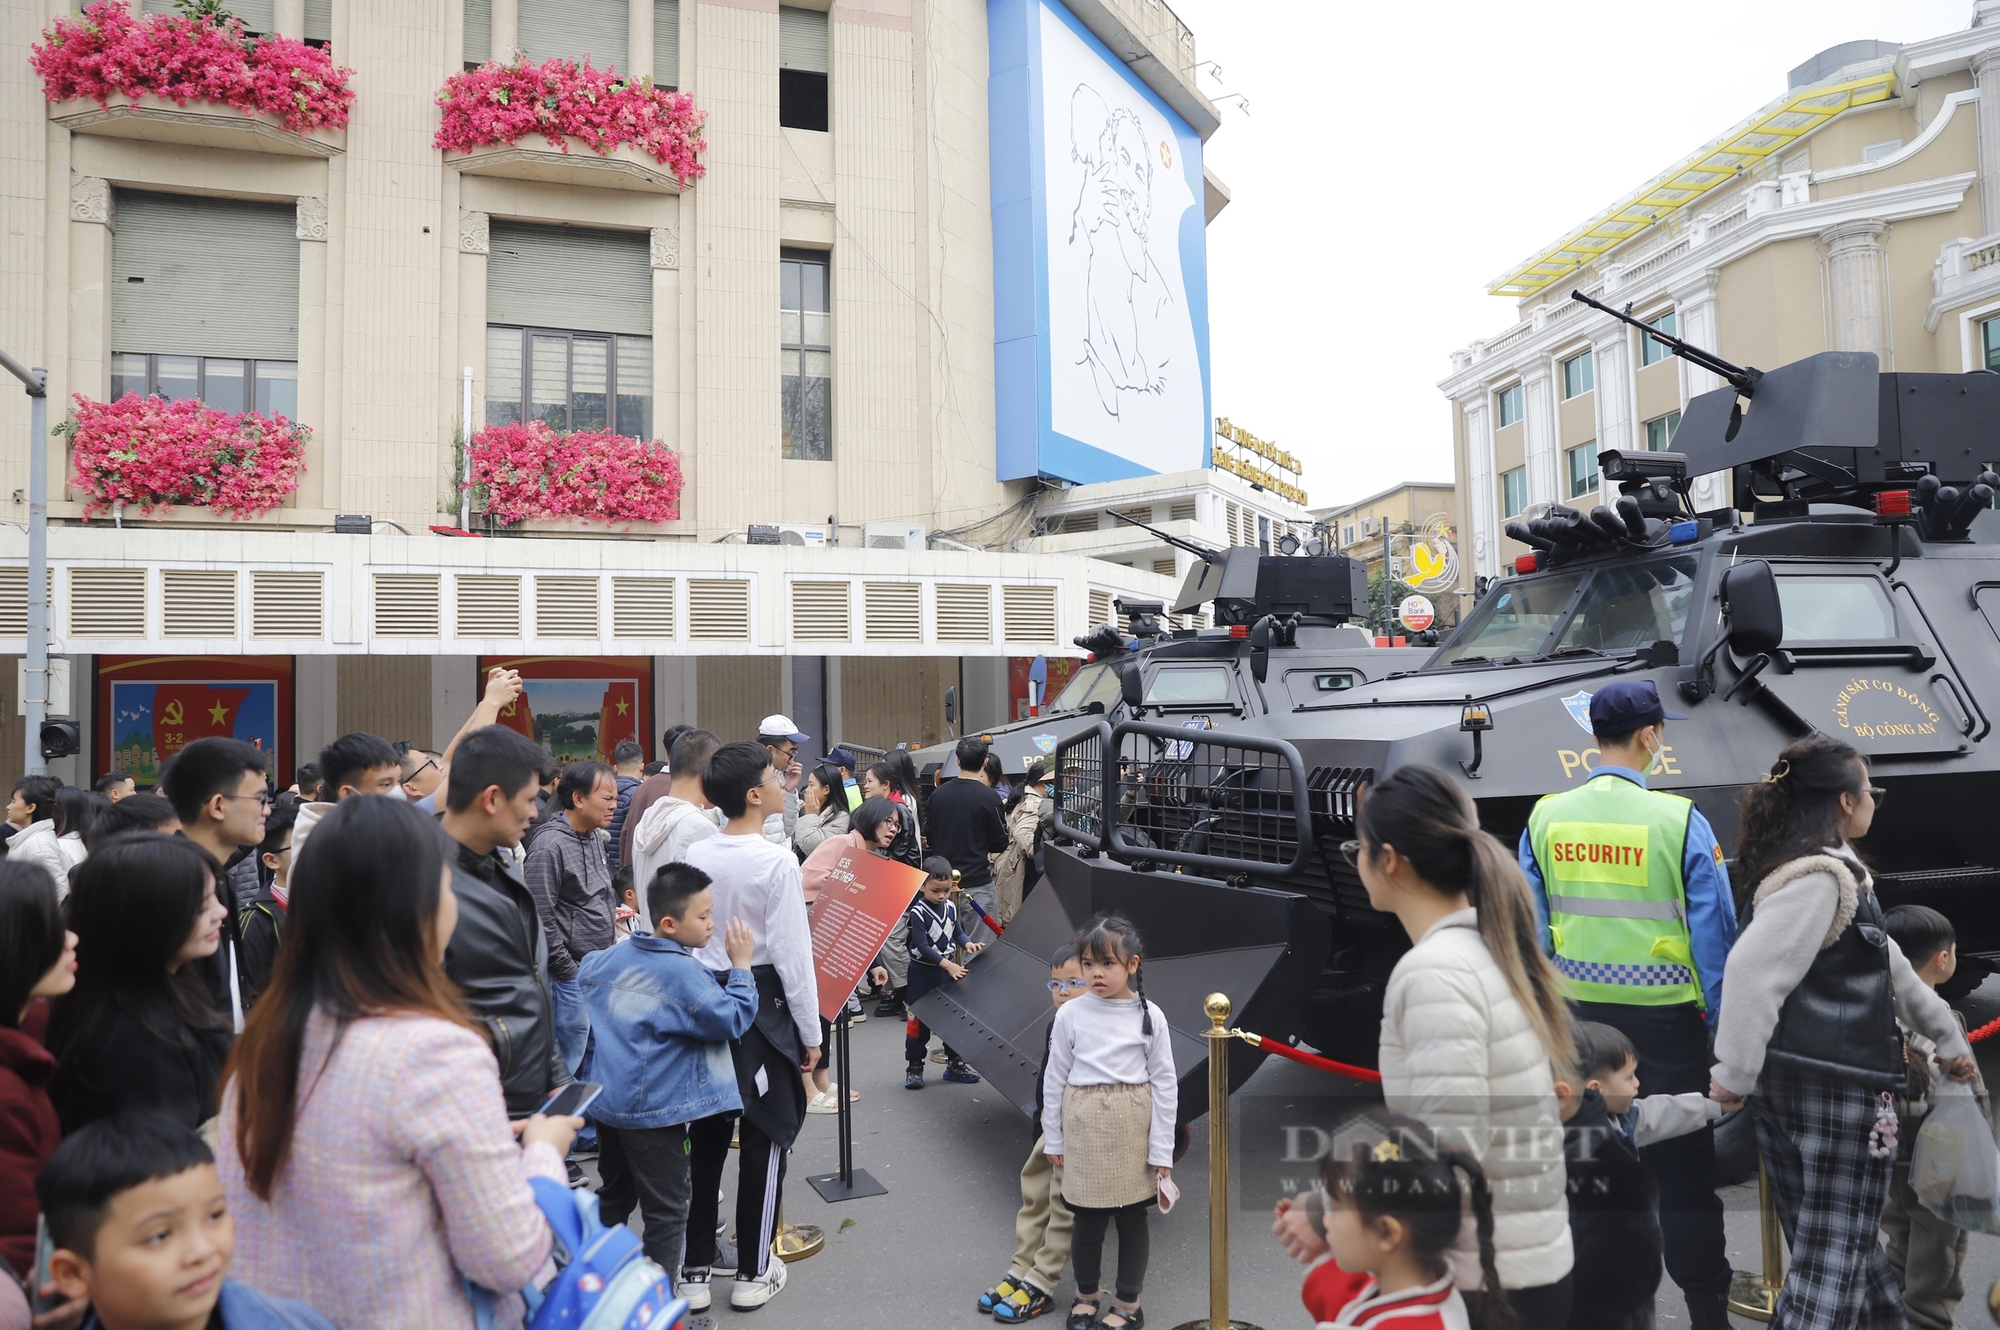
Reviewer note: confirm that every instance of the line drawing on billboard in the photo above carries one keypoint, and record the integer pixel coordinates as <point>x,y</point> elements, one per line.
<point>1128,294</point>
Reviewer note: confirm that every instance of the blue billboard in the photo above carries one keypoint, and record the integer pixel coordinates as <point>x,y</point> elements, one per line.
<point>1100,260</point>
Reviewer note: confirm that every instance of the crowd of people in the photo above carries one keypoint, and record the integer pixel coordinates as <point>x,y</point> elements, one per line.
<point>208,987</point>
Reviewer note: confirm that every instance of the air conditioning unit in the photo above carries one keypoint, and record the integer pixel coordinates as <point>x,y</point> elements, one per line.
<point>892,536</point>
<point>812,537</point>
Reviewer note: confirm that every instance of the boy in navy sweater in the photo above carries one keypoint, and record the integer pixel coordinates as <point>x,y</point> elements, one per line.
<point>934,934</point>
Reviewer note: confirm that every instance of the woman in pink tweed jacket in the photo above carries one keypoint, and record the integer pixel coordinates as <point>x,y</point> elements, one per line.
<point>366,1150</point>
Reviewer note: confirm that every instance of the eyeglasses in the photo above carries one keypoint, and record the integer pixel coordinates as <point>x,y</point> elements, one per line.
<point>428,763</point>
<point>263,799</point>
<point>1350,850</point>
<point>1878,794</point>
<point>1068,985</point>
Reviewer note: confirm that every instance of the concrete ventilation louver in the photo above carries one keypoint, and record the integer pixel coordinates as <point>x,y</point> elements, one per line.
<point>407,605</point>
<point>488,606</point>
<point>14,600</point>
<point>1028,613</point>
<point>198,602</point>
<point>1100,607</point>
<point>642,607</point>
<point>718,610</point>
<point>893,611</point>
<point>820,612</point>
<point>107,602</point>
<point>566,607</point>
<point>1077,523</point>
<point>1164,567</point>
<point>287,604</point>
<point>964,613</point>
<point>1143,513</point>
<point>1182,511</point>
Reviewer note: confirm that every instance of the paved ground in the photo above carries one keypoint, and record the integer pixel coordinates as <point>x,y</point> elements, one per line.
<point>949,1154</point>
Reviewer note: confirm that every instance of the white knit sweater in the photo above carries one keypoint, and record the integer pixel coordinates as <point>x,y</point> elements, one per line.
<point>1459,1055</point>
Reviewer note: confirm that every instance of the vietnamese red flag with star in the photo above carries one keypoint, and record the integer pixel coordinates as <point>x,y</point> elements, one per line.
<point>184,712</point>
<point>618,717</point>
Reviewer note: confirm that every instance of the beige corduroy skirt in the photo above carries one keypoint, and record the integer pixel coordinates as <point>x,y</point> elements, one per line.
<point>1106,1129</point>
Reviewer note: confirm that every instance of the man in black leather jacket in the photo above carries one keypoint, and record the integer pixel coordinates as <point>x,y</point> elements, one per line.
<point>498,953</point>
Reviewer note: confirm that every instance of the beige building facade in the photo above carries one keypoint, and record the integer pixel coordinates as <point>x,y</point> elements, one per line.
<point>1860,211</point>
<point>810,326</point>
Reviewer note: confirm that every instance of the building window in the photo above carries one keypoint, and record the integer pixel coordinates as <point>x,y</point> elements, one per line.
<point>805,321</point>
<point>1510,405</point>
<point>1347,534</point>
<point>1875,152</point>
<point>1513,491</point>
<point>569,380</point>
<point>1989,344</point>
<point>224,384</point>
<point>1583,468</point>
<point>1652,352</point>
<point>1660,432</point>
<point>802,65</point>
<point>1579,376</point>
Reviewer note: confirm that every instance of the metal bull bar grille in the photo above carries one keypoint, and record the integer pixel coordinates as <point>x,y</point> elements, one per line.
<point>1078,785</point>
<point>1204,799</point>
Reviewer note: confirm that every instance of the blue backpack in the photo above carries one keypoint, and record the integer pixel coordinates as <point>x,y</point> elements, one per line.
<point>602,1282</point>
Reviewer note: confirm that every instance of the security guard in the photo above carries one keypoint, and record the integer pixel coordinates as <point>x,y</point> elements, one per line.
<point>1635,899</point>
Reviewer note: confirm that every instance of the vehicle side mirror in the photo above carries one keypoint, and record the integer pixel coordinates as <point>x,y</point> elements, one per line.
<point>951,705</point>
<point>1750,599</point>
<point>1131,685</point>
<point>1260,648</point>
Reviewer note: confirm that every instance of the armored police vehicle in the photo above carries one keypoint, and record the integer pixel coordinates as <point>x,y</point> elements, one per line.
<point>1852,587</point>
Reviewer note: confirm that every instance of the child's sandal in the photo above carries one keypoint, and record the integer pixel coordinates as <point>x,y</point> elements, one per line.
<point>1024,1304</point>
<point>996,1295</point>
<point>1132,1320</point>
<point>1082,1320</point>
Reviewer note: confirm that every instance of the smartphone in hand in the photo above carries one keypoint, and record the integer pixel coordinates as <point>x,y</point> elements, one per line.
<point>570,1100</point>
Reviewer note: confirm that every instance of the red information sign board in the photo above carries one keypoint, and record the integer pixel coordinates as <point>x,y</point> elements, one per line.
<point>857,909</point>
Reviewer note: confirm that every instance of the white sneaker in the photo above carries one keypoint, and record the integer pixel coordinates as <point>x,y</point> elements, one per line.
<point>752,1292</point>
<point>694,1287</point>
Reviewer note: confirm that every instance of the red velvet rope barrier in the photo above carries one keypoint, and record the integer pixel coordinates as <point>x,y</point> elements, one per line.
<point>1310,1059</point>
<point>1985,1031</point>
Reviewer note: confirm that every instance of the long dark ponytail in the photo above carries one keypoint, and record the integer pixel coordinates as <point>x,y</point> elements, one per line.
<point>1386,1165</point>
<point>1795,809</point>
<point>1111,939</point>
<point>1430,821</point>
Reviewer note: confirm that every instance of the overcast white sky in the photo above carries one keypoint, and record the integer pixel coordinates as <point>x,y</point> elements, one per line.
<point>1396,158</point>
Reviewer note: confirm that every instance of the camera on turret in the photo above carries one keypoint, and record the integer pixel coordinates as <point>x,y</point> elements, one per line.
<point>1144,615</point>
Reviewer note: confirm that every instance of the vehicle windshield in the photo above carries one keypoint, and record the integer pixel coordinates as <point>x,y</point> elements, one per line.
<point>1632,606</point>
<point>1512,621</point>
<point>1188,685</point>
<point>1092,683</point>
<point>1835,609</point>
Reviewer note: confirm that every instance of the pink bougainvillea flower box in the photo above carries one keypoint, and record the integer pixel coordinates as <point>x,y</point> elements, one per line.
<point>152,454</point>
<point>531,473</point>
<point>498,105</point>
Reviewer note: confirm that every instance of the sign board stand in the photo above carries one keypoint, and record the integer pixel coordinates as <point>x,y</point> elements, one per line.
<point>858,905</point>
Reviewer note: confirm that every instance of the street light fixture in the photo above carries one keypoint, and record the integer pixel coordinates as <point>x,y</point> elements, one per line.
<point>36,701</point>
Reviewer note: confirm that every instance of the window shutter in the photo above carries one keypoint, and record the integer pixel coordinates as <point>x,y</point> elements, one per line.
<point>567,277</point>
<point>257,15</point>
<point>1181,511</point>
<point>894,611</point>
<point>642,607</point>
<point>107,602</point>
<point>1100,607</point>
<point>718,610</point>
<point>198,602</point>
<point>205,277</point>
<point>488,606</point>
<point>820,612</point>
<point>1077,523</point>
<point>566,607</point>
<point>406,605</point>
<point>597,30</point>
<point>478,31</point>
<point>667,43</point>
<point>964,613</point>
<point>319,20</point>
<point>1028,613</point>
<point>802,39</point>
<point>287,604</point>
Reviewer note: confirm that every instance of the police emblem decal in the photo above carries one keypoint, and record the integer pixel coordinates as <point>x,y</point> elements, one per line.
<point>1045,742</point>
<point>1578,705</point>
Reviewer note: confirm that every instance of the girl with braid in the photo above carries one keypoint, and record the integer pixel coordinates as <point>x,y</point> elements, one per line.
<point>1109,1095</point>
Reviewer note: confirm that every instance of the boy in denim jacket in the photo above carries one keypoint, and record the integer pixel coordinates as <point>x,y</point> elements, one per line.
<point>662,1027</point>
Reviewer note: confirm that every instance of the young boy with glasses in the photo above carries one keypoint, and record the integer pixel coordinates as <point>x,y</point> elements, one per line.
<point>1042,1228</point>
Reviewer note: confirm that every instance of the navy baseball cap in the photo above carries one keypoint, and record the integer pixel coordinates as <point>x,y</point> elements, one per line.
<point>1627,705</point>
<point>839,757</point>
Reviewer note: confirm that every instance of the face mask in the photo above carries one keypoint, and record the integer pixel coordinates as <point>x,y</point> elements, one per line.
<point>396,793</point>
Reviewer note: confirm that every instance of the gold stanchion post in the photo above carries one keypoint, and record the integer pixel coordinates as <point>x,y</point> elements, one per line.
<point>795,1242</point>
<point>1756,1296</point>
<point>1219,1037</point>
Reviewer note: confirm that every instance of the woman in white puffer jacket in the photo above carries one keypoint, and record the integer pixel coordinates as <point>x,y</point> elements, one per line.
<point>1473,1024</point>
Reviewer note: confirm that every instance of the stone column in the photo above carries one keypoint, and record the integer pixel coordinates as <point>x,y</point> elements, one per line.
<point>311,229</point>
<point>506,29</point>
<point>639,39</point>
<point>289,18</point>
<point>92,223</point>
<point>666,262</point>
<point>474,250</point>
<point>1701,325</point>
<point>1986,74</point>
<point>1611,354</point>
<point>1484,550</point>
<point>1857,289</point>
<point>1540,433</point>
